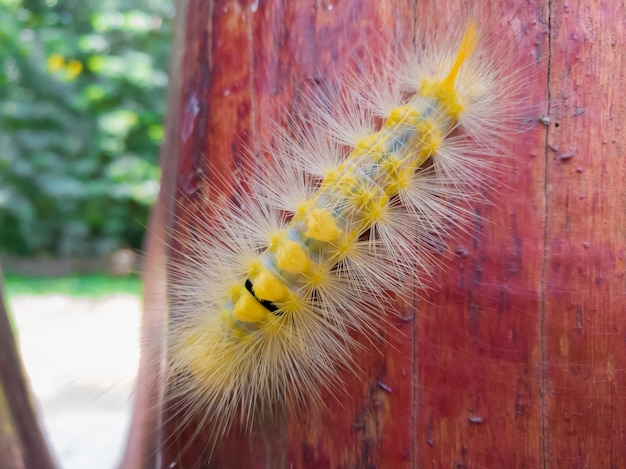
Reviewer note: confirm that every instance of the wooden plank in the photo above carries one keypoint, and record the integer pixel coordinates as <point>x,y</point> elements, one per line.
<point>584,320</point>
<point>258,58</point>
<point>478,332</point>
<point>516,356</point>
<point>143,441</point>
<point>22,444</point>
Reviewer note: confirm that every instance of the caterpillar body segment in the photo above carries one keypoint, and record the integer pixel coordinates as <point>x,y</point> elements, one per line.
<point>352,198</point>
<point>269,304</point>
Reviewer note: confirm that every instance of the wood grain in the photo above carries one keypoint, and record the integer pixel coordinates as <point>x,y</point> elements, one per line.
<point>22,443</point>
<point>516,356</point>
<point>584,288</point>
<point>478,334</point>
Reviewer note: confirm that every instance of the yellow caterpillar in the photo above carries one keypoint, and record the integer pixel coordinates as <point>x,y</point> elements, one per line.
<point>264,311</point>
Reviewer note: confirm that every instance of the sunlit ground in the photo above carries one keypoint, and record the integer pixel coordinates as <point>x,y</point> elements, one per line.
<point>81,355</point>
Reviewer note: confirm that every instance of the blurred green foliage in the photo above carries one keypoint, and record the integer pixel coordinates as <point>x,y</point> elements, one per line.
<point>91,286</point>
<point>82,99</point>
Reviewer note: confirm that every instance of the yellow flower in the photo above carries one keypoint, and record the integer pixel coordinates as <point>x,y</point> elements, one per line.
<point>55,62</point>
<point>73,69</point>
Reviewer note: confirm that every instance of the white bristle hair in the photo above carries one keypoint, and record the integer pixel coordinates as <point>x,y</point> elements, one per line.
<point>231,368</point>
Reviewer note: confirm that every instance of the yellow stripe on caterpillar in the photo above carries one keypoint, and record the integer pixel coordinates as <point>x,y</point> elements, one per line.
<point>332,175</point>
<point>345,244</point>
<point>347,182</point>
<point>294,304</point>
<point>432,137</point>
<point>290,256</point>
<point>301,210</point>
<point>403,115</point>
<point>445,90</point>
<point>467,47</point>
<point>197,347</point>
<point>321,226</point>
<point>397,175</point>
<point>318,275</point>
<point>274,239</point>
<point>267,287</point>
<point>376,209</point>
<point>247,308</point>
<point>371,145</point>
<point>193,350</point>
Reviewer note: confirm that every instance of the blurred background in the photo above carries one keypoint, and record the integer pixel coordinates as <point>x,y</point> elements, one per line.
<point>82,101</point>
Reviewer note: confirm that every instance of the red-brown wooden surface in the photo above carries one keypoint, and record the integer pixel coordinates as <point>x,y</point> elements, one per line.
<point>583,310</point>
<point>22,443</point>
<point>517,356</point>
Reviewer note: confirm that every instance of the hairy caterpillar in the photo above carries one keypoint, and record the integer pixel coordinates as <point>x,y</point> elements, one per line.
<point>264,310</point>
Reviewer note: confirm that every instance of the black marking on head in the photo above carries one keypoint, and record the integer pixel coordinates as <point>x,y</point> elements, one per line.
<point>268,305</point>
